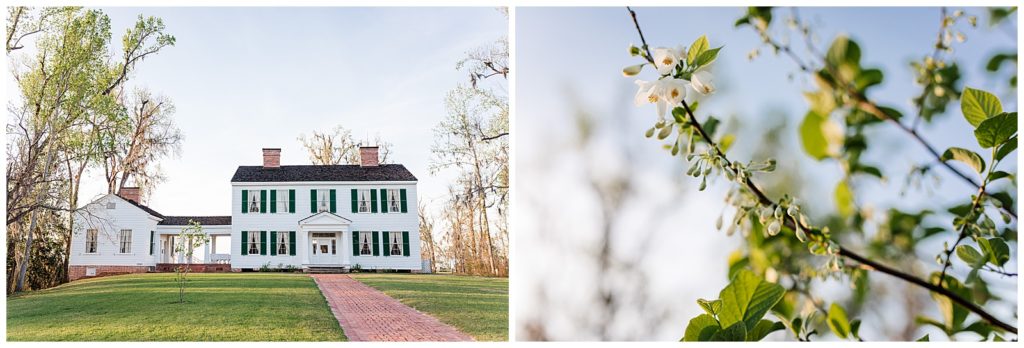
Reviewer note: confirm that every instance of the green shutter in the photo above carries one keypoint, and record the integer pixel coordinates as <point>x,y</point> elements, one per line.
<point>355,243</point>
<point>291,243</point>
<point>387,243</point>
<point>383,200</point>
<point>376,251</point>
<point>312,201</point>
<point>291,201</point>
<point>273,201</point>
<point>373,201</point>
<point>263,201</point>
<point>402,194</point>
<point>405,242</point>
<point>273,242</point>
<point>245,201</point>
<point>263,242</point>
<point>152,241</point>
<point>355,200</point>
<point>334,201</point>
<point>245,239</point>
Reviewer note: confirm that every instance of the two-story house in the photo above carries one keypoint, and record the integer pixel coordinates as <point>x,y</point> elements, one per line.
<point>307,217</point>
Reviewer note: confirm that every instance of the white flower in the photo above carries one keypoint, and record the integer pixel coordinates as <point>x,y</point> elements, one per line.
<point>663,93</point>
<point>666,59</point>
<point>703,82</point>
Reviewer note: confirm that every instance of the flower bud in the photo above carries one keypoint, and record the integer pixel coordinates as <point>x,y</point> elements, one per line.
<point>774,228</point>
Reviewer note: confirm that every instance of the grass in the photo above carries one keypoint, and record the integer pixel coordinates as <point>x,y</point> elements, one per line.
<point>477,306</point>
<point>143,307</point>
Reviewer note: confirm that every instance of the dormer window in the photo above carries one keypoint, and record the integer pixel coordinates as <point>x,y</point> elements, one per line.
<point>364,201</point>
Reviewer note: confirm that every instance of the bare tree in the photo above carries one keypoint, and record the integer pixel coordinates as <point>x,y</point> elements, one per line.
<point>149,135</point>
<point>338,146</point>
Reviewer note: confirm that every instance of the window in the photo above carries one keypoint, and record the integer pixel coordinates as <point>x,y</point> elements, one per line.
<point>254,201</point>
<point>282,243</point>
<point>364,244</point>
<point>90,241</point>
<point>254,243</point>
<point>126,241</point>
<point>394,205</point>
<point>364,201</point>
<point>282,201</point>
<point>396,243</point>
<point>323,200</point>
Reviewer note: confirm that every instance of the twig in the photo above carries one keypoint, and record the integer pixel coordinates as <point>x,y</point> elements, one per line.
<point>866,263</point>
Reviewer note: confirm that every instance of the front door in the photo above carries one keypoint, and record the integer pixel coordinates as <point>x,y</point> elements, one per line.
<point>325,249</point>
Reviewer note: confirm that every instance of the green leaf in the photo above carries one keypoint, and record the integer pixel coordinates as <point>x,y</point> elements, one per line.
<point>837,321</point>
<point>924,338</point>
<point>966,156</point>
<point>706,57</point>
<point>953,314</point>
<point>996,130</point>
<point>747,299</point>
<point>867,78</point>
<point>999,252</point>
<point>968,254</point>
<point>696,48</point>
<point>1006,149</point>
<point>818,136</point>
<point>701,328</point>
<point>978,105</point>
<point>844,199</point>
<point>710,307</point>
<point>763,328</point>
<point>979,327</point>
<point>843,51</point>
<point>734,333</point>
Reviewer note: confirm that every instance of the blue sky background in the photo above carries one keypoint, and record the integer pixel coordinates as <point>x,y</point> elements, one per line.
<point>247,78</point>
<point>570,60</point>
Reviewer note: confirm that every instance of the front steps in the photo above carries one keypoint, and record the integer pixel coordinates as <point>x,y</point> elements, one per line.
<point>324,269</point>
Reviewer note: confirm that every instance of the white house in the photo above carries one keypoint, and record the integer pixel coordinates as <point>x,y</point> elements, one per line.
<point>310,217</point>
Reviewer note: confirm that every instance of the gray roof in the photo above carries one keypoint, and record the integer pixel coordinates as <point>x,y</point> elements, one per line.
<point>203,220</point>
<point>143,207</point>
<point>343,172</point>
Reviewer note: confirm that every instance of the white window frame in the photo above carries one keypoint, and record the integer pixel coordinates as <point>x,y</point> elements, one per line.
<point>366,240</point>
<point>396,246</point>
<point>364,201</point>
<point>254,201</point>
<point>91,237</point>
<point>323,200</point>
<point>124,238</point>
<point>282,243</point>
<point>282,201</point>
<point>254,243</point>
<point>394,201</point>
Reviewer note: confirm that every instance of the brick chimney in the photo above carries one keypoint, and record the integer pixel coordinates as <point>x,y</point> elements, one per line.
<point>130,193</point>
<point>271,158</point>
<point>368,156</point>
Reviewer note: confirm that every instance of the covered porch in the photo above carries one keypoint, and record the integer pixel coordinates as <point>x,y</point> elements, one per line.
<point>213,256</point>
<point>325,234</point>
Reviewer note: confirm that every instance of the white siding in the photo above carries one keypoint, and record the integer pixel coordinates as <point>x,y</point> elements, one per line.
<point>109,223</point>
<point>408,221</point>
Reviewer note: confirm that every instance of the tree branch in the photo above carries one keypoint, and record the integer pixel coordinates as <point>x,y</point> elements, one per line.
<point>499,135</point>
<point>791,223</point>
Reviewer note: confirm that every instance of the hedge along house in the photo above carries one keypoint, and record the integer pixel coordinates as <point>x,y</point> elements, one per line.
<point>313,217</point>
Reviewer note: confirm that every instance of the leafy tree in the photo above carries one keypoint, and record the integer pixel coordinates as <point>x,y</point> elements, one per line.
<point>783,246</point>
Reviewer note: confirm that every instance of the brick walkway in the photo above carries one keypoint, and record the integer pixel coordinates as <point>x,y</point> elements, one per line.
<point>367,314</point>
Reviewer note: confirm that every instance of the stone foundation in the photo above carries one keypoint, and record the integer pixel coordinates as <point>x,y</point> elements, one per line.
<point>79,272</point>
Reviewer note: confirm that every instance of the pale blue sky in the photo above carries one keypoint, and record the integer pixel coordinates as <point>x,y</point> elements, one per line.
<point>247,78</point>
<point>571,58</point>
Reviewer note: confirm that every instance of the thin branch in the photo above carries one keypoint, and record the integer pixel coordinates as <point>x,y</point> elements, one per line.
<point>499,135</point>
<point>865,263</point>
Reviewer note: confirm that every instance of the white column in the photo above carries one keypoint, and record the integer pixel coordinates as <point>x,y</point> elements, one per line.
<point>206,252</point>
<point>343,248</point>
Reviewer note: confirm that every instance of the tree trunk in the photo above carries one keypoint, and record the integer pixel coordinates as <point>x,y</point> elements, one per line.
<point>20,285</point>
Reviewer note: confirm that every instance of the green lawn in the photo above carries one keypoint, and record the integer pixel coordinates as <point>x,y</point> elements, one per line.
<point>477,306</point>
<point>220,307</point>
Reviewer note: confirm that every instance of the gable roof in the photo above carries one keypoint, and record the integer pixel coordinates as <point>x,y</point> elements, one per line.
<point>342,172</point>
<point>203,220</point>
<point>330,215</point>
<point>148,210</point>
